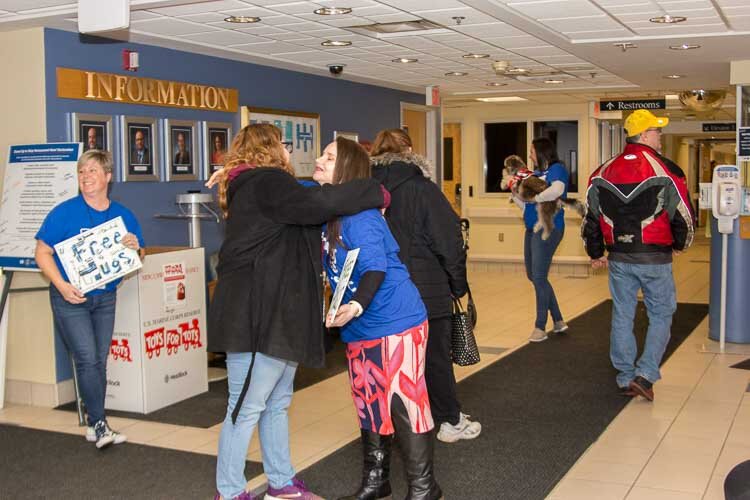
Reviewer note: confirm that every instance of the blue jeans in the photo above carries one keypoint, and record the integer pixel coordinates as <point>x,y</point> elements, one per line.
<point>86,330</point>
<point>266,403</point>
<point>537,255</point>
<point>657,284</point>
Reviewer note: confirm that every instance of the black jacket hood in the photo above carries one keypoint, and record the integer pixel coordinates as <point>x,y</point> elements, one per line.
<point>393,169</point>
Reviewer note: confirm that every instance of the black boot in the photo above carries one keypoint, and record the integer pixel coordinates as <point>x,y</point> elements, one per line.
<point>376,485</point>
<point>417,450</point>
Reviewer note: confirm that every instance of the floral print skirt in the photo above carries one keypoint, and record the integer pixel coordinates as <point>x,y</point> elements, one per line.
<point>389,367</point>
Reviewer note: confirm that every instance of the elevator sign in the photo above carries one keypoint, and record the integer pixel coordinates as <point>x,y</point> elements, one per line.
<point>617,105</point>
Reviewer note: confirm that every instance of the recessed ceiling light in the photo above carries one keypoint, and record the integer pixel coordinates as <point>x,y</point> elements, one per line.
<point>667,19</point>
<point>674,77</point>
<point>456,73</point>
<point>336,43</point>
<point>242,19</point>
<point>332,11</point>
<point>684,46</point>
<point>475,56</point>
<point>672,97</point>
<point>496,84</point>
<point>404,60</point>
<point>517,71</point>
<point>553,82</point>
<point>501,99</point>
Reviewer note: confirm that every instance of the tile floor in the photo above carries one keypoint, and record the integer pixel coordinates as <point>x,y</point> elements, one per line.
<point>680,447</point>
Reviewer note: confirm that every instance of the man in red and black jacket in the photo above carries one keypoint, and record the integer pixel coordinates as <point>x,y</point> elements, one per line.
<point>639,212</point>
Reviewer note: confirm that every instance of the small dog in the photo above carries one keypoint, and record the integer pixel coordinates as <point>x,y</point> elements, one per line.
<point>526,186</point>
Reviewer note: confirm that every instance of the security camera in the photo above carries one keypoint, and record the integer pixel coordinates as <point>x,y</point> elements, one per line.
<point>336,69</point>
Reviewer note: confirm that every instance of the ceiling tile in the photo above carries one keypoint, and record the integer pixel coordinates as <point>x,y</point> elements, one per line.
<point>415,5</point>
<point>556,8</point>
<point>225,37</point>
<point>399,17</point>
<point>445,16</point>
<point>27,5</point>
<point>267,48</point>
<point>293,8</point>
<point>567,25</point>
<point>198,8</point>
<point>169,26</point>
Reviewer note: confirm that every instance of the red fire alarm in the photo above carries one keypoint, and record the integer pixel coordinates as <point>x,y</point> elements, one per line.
<point>129,60</point>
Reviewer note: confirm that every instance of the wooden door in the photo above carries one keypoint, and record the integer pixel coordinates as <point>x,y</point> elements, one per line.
<point>452,163</point>
<point>416,125</point>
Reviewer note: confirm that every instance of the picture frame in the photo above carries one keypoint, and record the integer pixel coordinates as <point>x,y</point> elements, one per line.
<point>93,131</point>
<point>181,150</point>
<point>300,133</point>
<point>354,136</point>
<point>140,149</point>
<point>216,139</point>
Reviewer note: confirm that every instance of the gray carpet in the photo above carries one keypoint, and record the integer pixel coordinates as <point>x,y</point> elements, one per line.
<point>208,409</point>
<point>541,408</point>
<point>48,465</point>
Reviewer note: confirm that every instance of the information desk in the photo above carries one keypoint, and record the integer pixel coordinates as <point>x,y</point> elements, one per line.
<point>158,351</point>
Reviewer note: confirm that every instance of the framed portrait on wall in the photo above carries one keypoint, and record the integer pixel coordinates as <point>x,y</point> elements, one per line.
<point>140,149</point>
<point>300,133</point>
<point>216,139</point>
<point>94,131</point>
<point>181,148</point>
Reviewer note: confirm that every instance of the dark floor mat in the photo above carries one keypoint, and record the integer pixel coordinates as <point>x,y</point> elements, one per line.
<point>41,464</point>
<point>540,407</point>
<point>742,365</point>
<point>208,409</point>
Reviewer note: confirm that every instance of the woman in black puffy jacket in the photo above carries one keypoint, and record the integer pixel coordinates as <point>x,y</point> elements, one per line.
<point>428,233</point>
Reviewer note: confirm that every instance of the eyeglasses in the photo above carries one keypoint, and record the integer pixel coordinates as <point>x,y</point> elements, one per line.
<point>288,145</point>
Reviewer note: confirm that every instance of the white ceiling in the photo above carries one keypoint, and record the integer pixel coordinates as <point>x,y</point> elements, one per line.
<point>574,36</point>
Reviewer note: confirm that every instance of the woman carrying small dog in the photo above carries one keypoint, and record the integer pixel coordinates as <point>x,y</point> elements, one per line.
<point>538,252</point>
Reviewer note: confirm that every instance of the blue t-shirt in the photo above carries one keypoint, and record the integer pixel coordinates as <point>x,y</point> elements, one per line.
<point>74,216</point>
<point>397,305</point>
<point>555,172</point>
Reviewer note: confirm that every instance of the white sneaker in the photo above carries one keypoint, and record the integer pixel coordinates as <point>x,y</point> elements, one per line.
<point>538,335</point>
<point>464,429</point>
<point>117,437</point>
<point>560,326</point>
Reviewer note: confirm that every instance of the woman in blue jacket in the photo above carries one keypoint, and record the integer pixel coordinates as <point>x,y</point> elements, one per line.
<point>538,252</point>
<point>384,324</point>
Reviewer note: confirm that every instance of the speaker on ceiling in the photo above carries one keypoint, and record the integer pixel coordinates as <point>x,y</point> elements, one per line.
<point>96,16</point>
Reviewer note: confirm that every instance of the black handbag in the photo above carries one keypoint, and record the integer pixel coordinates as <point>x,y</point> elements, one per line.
<point>464,350</point>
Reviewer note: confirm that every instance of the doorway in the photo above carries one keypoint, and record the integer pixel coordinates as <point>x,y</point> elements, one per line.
<point>452,164</point>
<point>422,123</point>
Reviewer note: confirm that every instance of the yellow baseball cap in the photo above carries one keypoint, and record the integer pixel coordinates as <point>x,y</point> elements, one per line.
<point>643,119</point>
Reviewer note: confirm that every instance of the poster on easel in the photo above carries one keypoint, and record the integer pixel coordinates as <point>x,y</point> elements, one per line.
<point>37,178</point>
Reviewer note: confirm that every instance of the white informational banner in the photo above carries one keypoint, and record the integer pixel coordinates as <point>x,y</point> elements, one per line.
<point>37,177</point>
<point>343,283</point>
<point>97,256</point>
<point>3,343</point>
<point>158,351</point>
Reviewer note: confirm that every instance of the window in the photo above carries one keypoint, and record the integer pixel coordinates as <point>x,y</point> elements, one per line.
<point>500,141</point>
<point>564,134</point>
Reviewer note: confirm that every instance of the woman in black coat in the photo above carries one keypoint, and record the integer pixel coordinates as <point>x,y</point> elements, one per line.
<point>266,312</point>
<point>428,233</point>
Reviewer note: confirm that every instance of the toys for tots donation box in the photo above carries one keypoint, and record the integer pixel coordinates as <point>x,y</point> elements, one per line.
<point>158,352</point>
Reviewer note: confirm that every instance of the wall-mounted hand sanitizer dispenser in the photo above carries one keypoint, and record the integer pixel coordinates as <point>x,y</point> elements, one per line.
<point>727,196</point>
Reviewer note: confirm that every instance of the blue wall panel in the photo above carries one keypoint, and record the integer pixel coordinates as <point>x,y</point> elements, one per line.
<point>342,105</point>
